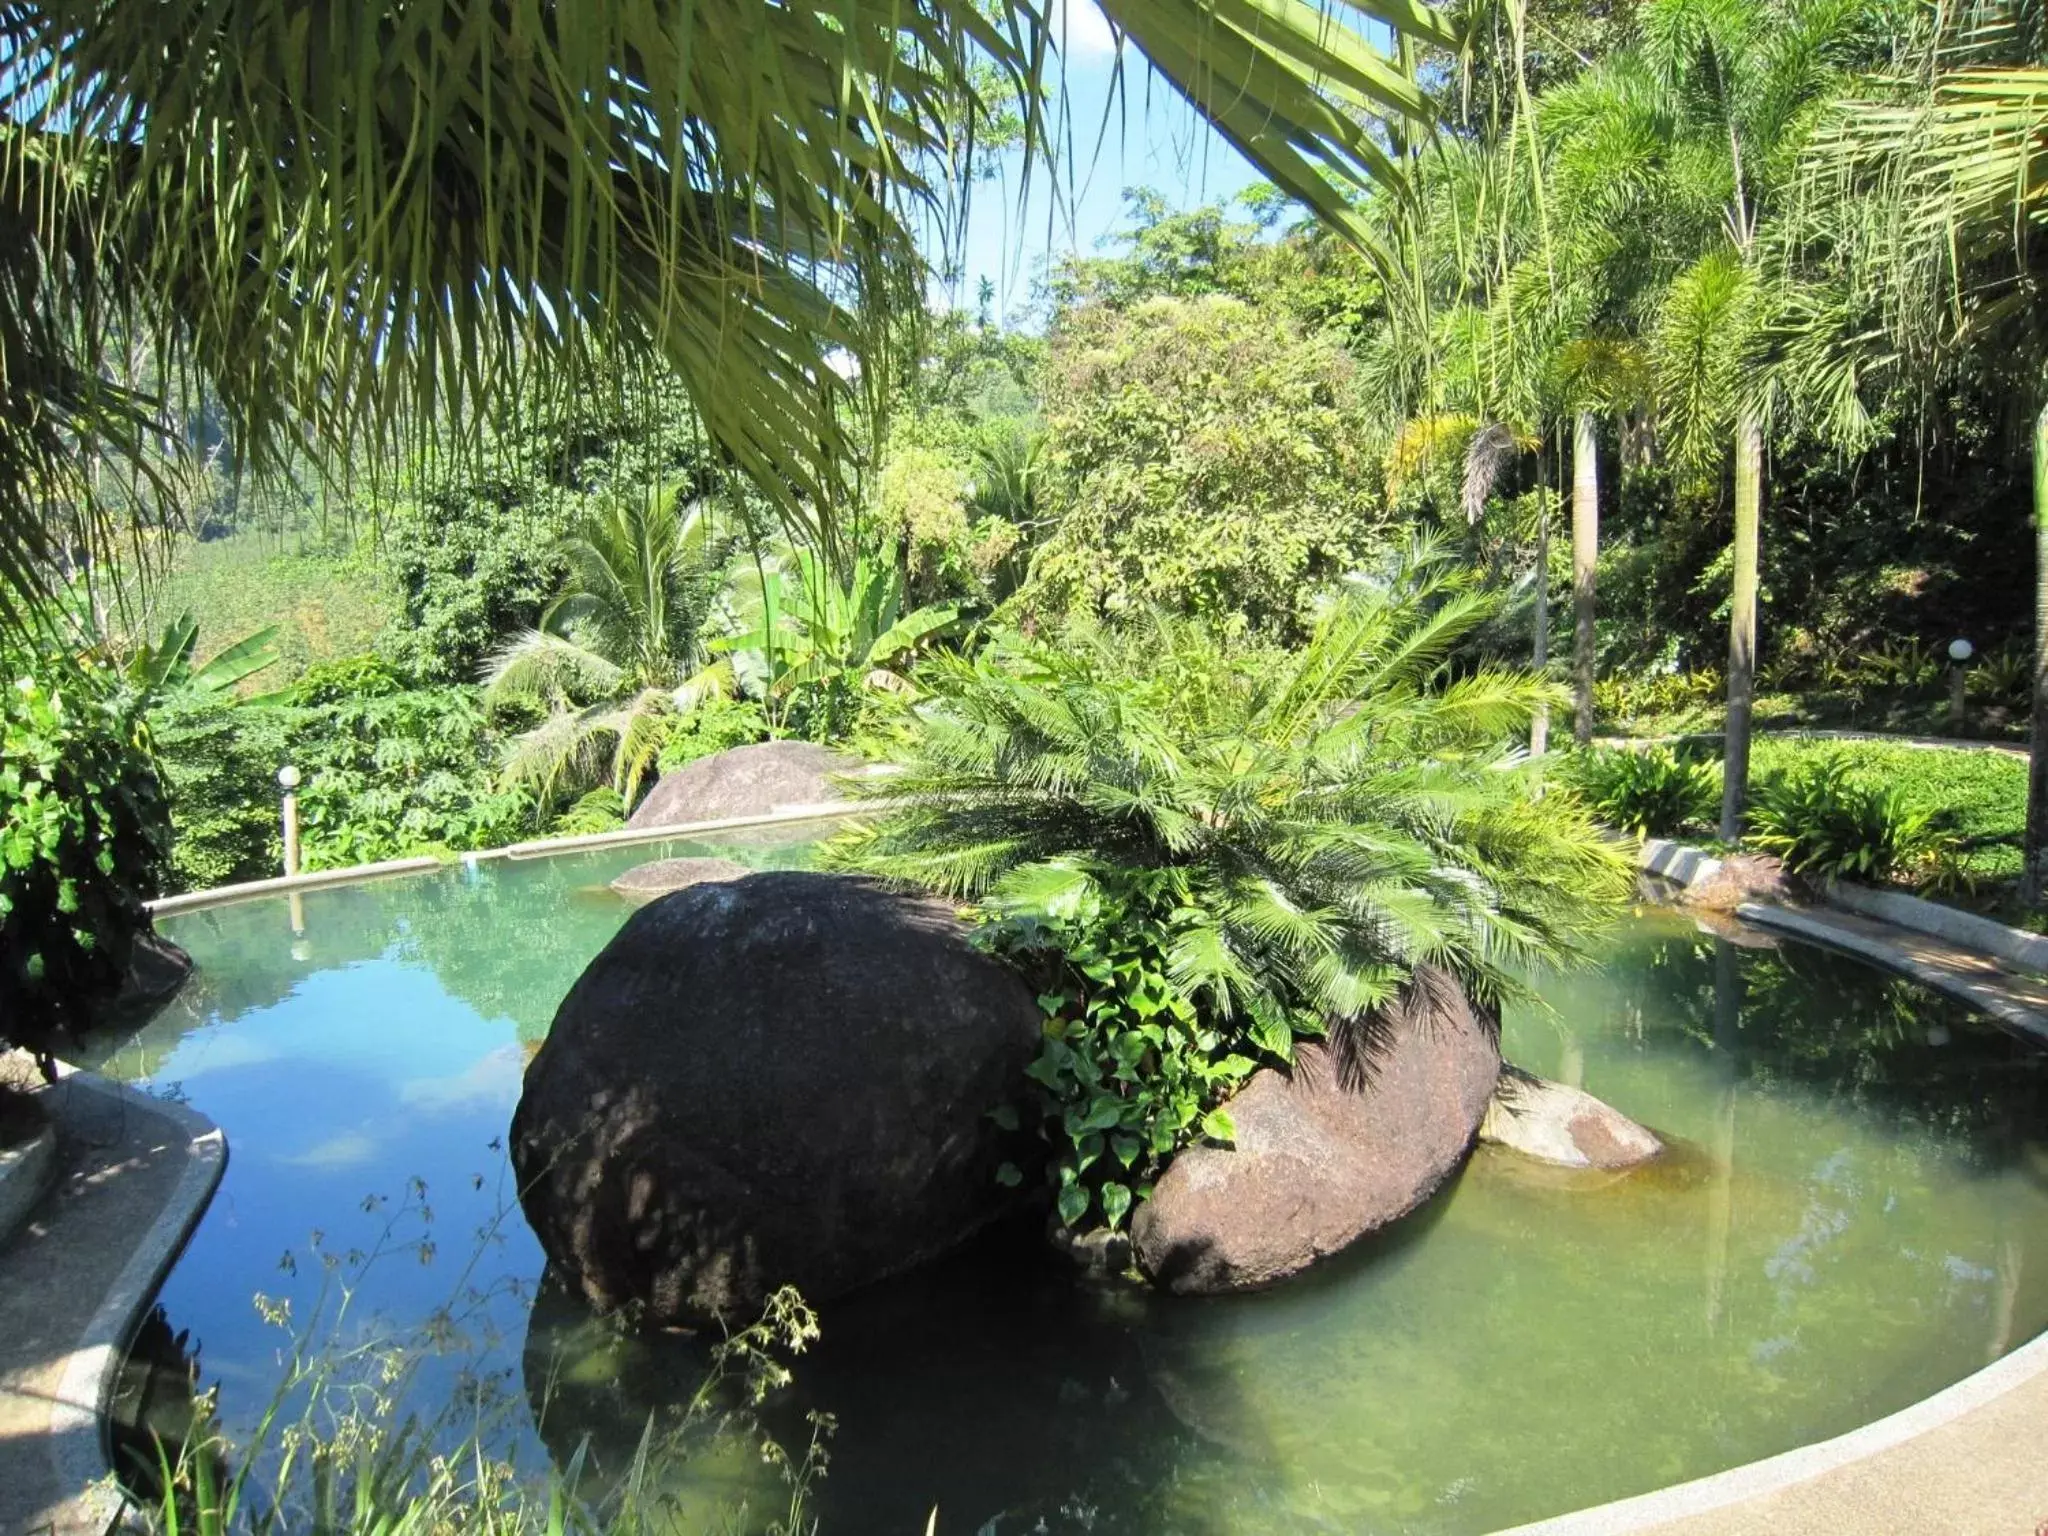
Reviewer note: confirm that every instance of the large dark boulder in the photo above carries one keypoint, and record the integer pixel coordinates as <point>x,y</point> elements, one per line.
<point>785,1079</point>
<point>746,781</point>
<point>1352,1139</point>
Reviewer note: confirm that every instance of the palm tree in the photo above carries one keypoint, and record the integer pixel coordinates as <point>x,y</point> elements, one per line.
<point>376,226</point>
<point>1737,87</point>
<point>617,655</point>
<point>1934,179</point>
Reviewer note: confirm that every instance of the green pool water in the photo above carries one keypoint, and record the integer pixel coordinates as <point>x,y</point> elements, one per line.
<point>1854,1214</point>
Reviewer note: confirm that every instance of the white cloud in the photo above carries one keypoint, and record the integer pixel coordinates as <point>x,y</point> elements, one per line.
<point>1080,31</point>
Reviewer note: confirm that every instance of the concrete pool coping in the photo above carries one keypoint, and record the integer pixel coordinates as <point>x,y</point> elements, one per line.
<point>625,837</point>
<point>140,1171</point>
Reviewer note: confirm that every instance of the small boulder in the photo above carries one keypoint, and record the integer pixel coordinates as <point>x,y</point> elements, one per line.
<point>779,1080</point>
<point>1341,1146</point>
<point>746,781</point>
<point>1565,1126</point>
<point>644,882</point>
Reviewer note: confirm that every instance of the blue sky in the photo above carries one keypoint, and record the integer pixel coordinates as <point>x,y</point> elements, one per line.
<point>1151,139</point>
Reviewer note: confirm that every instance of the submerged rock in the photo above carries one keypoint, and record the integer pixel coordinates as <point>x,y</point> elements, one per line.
<point>644,882</point>
<point>1341,1146</point>
<point>779,1080</point>
<point>1562,1125</point>
<point>746,781</point>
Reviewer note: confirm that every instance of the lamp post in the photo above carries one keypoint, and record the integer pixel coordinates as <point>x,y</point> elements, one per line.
<point>1959,651</point>
<point>288,781</point>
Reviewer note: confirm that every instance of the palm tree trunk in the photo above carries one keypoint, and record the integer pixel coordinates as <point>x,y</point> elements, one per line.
<point>1749,498</point>
<point>1539,727</point>
<point>2034,866</point>
<point>1585,555</point>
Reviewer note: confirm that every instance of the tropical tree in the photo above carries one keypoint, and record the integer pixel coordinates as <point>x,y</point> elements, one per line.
<point>1736,88</point>
<point>1931,179</point>
<point>381,225</point>
<point>616,655</point>
<point>817,649</point>
<point>1336,815</point>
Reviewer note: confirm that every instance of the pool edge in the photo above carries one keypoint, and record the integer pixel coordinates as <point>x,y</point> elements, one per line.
<point>77,1436</point>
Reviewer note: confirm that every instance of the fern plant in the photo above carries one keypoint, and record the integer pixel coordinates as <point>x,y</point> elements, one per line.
<point>1305,828</point>
<point>1651,792</point>
<point>1823,818</point>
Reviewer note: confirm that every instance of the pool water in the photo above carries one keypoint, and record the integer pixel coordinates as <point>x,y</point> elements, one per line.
<point>1854,1213</point>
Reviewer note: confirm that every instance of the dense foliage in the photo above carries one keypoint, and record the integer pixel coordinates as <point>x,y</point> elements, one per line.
<point>82,838</point>
<point>1827,819</point>
<point>1651,793</point>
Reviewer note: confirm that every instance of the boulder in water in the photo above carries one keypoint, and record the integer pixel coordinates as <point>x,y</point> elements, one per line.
<point>644,882</point>
<point>1566,1126</point>
<point>779,1080</point>
<point>1351,1139</point>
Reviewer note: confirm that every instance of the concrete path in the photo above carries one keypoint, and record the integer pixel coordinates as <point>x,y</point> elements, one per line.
<point>74,1282</point>
<point>1969,975</point>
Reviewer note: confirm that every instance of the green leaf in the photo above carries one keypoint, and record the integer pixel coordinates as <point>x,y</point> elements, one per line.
<point>1116,1200</point>
<point>1009,1176</point>
<point>1218,1126</point>
<point>1126,1149</point>
<point>1005,1115</point>
<point>1073,1204</point>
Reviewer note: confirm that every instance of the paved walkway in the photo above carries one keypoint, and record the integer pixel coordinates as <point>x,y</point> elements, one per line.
<point>74,1282</point>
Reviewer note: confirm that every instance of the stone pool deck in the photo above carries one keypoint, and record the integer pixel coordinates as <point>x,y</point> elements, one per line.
<point>135,1173</point>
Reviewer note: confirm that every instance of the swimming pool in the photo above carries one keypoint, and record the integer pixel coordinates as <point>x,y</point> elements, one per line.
<point>1854,1214</point>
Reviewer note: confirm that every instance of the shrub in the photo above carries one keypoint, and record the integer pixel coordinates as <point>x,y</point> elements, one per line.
<point>716,724</point>
<point>601,810</point>
<point>82,840</point>
<point>1657,693</point>
<point>1653,792</point>
<point>1213,462</point>
<point>1823,818</point>
<point>1129,1071</point>
<point>1236,846</point>
<point>219,763</point>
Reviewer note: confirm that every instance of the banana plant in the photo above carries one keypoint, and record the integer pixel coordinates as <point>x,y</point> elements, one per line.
<point>166,667</point>
<point>809,640</point>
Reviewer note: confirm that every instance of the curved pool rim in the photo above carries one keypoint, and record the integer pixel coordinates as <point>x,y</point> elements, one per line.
<point>1703,1496</point>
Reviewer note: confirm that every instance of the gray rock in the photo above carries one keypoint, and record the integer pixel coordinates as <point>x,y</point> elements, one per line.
<point>746,781</point>
<point>1562,1125</point>
<point>1338,1148</point>
<point>784,1079</point>
<point>644,882</point>
<point>1741,877</point>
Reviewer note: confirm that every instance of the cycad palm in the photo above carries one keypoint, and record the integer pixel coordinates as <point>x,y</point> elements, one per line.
<point>614,655</point>
<point>1333,818</point>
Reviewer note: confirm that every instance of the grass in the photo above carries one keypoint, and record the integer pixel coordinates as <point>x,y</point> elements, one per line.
<point>328,599</point>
